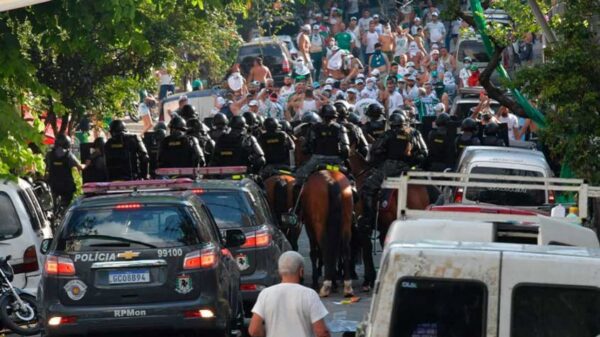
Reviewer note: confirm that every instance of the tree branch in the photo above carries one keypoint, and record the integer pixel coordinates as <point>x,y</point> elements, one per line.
<point>495,92</point>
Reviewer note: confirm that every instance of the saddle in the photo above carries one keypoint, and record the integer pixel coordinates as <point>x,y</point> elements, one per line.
<point>332,167</point>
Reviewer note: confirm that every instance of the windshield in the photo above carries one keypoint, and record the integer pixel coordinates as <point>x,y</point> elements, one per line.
<point>10,226</point>
<point>229,209</point>
<point>506,197</point>
<point>149,227</point>
<point>463,109</point>
<point>474,49</point>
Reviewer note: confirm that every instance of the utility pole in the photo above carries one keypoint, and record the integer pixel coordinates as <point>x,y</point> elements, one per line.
<point>539,16</point>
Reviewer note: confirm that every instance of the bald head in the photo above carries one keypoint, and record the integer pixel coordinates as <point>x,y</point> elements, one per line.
<point>290,263</point>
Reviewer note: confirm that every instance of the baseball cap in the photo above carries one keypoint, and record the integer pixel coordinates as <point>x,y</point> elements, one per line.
<point>375,72</point>
<point>411,78</point>
<point>353,18</point>
<point>220,100</point>
<point>435,51</point>
<point>435,13</point>
<point>316,85</point>
<point>361,75</point>
<point>376,16</point>
<point>359,81</point>
<point>253,103</point>
<point>327,87</point>
<point>352,91</point>
<point>417,18</point>
<point>400,78</point>
<point>435,46</point>
<point>306,27</point>
<point>330,81</point>
<point>316,27</point>
<point>371,79</point>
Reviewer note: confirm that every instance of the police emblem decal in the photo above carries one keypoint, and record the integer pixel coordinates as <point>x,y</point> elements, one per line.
<point>183,284</point>
<point>75,289</point>
<point>242,262</point>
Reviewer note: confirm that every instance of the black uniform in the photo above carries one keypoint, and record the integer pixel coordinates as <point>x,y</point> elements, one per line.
<point>373,129</point>
<point>95,171</point>
<point>152,140</point>
<point>493,140</point>
<point>356,137</point>
<point>59,163</point>
<point>277,146</point>
<point>180,150</point>
<point>463,140</point>
<point>200,131</point>
<point>441,149</point>
<point>236,148</point>
<point>126,158</point>
<point>328,143</point>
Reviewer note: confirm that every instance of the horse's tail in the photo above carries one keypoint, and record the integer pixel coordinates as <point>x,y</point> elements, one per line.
<point>334,216</point>
<point>280,197</point>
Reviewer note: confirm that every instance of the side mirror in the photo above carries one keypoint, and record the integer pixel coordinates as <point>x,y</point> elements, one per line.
<point>234,238</point>
<point>45,246</point>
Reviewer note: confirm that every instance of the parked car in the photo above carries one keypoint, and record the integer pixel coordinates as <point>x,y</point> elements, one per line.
<point>23,227</point>
<point>275,56</point>
<point>289,43</point>
<point>242,204</point>
<point>467,99</point>
<point>141,256</point>
<point>505,161</point>
<point>201,100</point>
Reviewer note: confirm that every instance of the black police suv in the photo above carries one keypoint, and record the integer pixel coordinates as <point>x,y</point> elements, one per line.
<point>242,204</point>
<point>137,261</point>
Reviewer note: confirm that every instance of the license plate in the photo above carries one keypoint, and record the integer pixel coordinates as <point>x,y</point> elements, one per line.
<point>130,276</point>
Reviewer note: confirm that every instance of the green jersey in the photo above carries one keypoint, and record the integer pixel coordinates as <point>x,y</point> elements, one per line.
<point>344,40</point>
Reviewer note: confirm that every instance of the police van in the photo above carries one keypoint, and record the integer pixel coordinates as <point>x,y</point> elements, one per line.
<point>143,255</point>
<point>485,271</point>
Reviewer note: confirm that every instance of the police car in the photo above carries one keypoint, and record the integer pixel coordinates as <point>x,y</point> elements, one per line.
<point>242,204</point>
<point>131,255</point>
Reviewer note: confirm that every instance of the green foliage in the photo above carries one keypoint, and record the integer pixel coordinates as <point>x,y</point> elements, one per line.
<point>568,83</point>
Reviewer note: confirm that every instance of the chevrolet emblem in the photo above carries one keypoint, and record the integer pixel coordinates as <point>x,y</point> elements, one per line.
<point>128,255</point>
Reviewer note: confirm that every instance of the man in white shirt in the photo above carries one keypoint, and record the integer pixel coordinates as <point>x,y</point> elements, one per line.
<point>505,116</point>
<point>436,29</point>
<point>288,308</point>
<point>364,21</point>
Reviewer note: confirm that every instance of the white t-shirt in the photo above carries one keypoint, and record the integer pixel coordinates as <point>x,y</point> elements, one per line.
<point>401,45</point>
<point>395,101</point>
<point>512,122</point>
<point>364,24</point>
<point>289,309</point>
<point>372,39</point>
<point>437,30</point>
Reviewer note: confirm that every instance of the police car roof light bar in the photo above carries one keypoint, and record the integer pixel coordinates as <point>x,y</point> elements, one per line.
<point>192,171</point>
<point>124,186</point>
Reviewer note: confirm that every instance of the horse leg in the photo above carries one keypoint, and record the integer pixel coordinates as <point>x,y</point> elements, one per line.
<point>348,291</point>
<point>314,259</point>
<point>367,255</point>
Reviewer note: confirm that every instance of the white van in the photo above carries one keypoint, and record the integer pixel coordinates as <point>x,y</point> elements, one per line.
<point>438,289</point>
<point>23,226</point>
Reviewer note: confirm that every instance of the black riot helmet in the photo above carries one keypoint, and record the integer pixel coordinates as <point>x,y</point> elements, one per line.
<point>285,126</point>
<point>238,123</point>
<point>442,119</point>
<point>311,117</point>
<point>468,125</point>
<point>250,118</point>
<point>160,126</point>
<point>354,118</point>
<point>188,112</point>
<point>342,108</point>
<point>63,141</point>
<point>117,127</point>
<point>177,123</point>
<point>491,129</point>
<point>194,125</point>
<point>398,120</point>
<point>220,120</point>
<point>99,143</point>
<point>271,124</point>
<point>328,112</point>
<point>374,111</point>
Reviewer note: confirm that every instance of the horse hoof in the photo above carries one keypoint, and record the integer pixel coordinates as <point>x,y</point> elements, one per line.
<point>348,291</point>
<point>325,289</point>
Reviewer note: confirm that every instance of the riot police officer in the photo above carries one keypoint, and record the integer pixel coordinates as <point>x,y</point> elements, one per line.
<point>95,166</point>
<point>237,148</point>
<point>441,149</point>
<point>277,146</point>
<point>375,125</point>
<point>420,152</point>
<point>355,134</point>
<point>468,136</point>
<point>253,124</point>
<point>490,135</point>
<point>188,112</point>
<point>391,155</point>
<point>152,142</point>
<point>327,143</point>
<point>200,131</point>
<point>286,127</point>
<point>178,149</point>
<point>126,155</point>
<point>309,119</point>
<point>59,162</point>
<point>219,126</point>
<point>354,118</point>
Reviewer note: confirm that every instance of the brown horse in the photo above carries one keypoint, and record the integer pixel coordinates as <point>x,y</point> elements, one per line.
<point>418,196</point>
<point>280,194</point>
<point>327,213</point>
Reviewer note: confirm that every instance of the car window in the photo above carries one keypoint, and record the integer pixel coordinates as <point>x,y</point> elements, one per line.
<point>555,311</point>
<point>36,204</point>
<point>30,209</point>
<point>432,308</point>
<point>10,227</point>
<point>506,197</point>
<point>149,226</point>
<point>228,208</point>
<point>249,51</point>
<point>259,212</point>
<point>474,49</point>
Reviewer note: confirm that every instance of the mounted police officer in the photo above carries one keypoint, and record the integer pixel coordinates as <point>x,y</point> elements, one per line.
<point>178,149</point>
<point>490,135</point>
<point>126,155</point>
<point>420,151</point>
<point>327,143</point>
<point>59,163</point>
<point>277,146</point>
<point>254,125</point>
<point>375,125</point>
<point>355,134</point>
<point>468,136</point>
<point>391,155</point>
<point>441,147</point>
<point>237,148</point>
<point>95,166</point>
<point>152,142</point>
<point>199,130</point>
<point>219,126</point>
